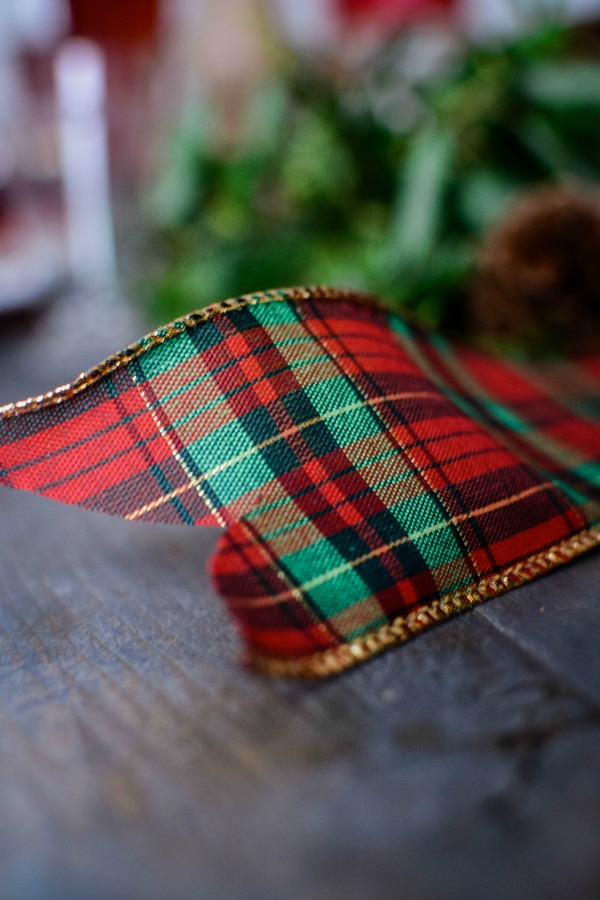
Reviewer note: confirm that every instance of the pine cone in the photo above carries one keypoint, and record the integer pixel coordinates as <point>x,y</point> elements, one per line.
<point>538,281</point>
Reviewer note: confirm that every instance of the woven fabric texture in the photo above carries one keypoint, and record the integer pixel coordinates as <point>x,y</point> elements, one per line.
<point>363,471</point>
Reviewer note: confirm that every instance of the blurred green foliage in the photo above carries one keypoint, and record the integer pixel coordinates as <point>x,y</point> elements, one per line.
<point>380,180</point>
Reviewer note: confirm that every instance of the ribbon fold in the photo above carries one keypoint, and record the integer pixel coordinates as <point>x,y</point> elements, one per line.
<point>370,479</point>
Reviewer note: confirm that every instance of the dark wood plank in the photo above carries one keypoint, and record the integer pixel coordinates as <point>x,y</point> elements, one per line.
<point>138,760</point>
<point>541,620</point>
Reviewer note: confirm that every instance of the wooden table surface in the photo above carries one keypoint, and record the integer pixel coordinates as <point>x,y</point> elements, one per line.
<point>138,760</point>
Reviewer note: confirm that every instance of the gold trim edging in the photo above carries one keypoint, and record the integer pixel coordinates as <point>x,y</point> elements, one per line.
<point>402,628</point>
<point>191,320</point>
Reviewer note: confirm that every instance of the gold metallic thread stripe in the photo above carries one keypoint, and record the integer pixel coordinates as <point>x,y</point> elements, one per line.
<point>268,442</point>
<point>164,433</point>
<point>337,659</point>
<point>298,592</point>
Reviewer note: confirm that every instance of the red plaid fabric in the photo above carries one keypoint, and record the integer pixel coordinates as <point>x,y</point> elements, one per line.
<point>370,479</point>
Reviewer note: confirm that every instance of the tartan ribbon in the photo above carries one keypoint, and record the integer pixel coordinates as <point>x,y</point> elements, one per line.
<point>370,479</point>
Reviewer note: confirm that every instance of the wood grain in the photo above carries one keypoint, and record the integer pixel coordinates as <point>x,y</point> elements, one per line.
<point>138,760</point>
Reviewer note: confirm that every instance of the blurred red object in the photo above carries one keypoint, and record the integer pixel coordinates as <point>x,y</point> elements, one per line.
<point>129,34</point>
<point>131,23</point>
<point>390,12</point>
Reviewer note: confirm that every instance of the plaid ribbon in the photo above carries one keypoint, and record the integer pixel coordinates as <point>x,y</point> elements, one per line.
<point>370,479</point>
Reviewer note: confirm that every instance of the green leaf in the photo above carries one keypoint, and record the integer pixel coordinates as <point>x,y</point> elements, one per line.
<point>418,209</point>
<point>558,155</point>
<point>483,196</point>
<point>562,85</point>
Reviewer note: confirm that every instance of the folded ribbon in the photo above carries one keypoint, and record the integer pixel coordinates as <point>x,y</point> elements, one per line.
<point>371,480</point>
